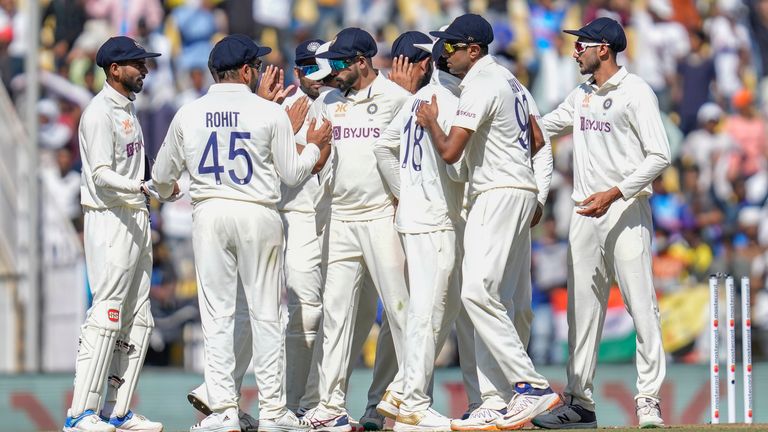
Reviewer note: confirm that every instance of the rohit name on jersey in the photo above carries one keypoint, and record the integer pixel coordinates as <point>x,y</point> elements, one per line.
<point>218,119</point>
<point>588,124</point>
<point>343,132</point>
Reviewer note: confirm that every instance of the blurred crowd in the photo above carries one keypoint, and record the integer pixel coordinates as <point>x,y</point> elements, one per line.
<point>706,60</point>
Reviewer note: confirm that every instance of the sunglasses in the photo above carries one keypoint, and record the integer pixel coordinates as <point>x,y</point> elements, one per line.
<point>338,65</point>
<point>580,47</point>
<point>308,69</point>
<point>258,65</point>
<point>450,48</point>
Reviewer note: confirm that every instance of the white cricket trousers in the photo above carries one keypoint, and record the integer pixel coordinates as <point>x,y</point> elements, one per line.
<point>496,287</point>
<point>353,247</point>
<point>614,246</point>
<point>236,239</point>
<point>304,281</point>
<point>118,254</point>
<point>433,306</point>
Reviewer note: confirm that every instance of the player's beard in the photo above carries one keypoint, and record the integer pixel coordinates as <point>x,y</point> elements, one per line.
<point>253,83</point>
<point>308,87</point>
<point>346,84</point>
<point>134,84</point>
<point>589,65</point>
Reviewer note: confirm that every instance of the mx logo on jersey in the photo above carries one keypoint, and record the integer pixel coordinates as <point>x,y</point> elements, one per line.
<point>585,101</point>
<point>341,110</point>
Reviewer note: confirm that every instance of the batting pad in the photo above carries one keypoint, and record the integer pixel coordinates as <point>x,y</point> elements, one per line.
<point>97,343</point>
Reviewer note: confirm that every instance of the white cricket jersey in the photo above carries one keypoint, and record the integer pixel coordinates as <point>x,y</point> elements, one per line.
<point>305,196</point>
<point>429,199</point>
<point>235,145</point>
<point>618,137</point>
<point>111,138</point>
<point>496,106</point>
<point>359,117</point>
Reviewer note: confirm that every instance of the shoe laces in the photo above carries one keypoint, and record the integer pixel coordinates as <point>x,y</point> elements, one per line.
<point>519,403</point>
<point>648,407</point>
<point>484,413</point>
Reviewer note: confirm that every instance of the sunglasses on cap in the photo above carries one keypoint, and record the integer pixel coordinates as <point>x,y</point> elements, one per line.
<point>450,48</point>
<point>308,69</point>
<point>580,47</point>
<point>338,65</point>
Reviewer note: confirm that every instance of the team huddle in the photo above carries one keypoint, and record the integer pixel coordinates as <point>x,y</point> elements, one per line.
<point>418,189</point>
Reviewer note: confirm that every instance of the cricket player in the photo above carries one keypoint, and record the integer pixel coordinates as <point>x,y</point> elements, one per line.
<point>118,248</point>
<point>361,233</point>
<point>237,230</point>
<point>495,131</point>
<point>428,217</point>
<point>619,147</point>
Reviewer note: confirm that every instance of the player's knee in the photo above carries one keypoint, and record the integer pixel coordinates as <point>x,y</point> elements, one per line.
<point>143,316</point>
<point>305,318</point>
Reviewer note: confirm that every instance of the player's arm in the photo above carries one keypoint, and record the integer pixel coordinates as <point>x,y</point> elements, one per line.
<point>387,152</point>
<point>542,161</point>
<point>560,121</point>
<point>169,163</point>
<point>99,138</point>
<point>292,167</point>
<point>450,146</point>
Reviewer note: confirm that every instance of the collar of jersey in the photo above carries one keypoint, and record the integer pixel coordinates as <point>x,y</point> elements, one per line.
<point>116,97</point>
<point>376,88</point>
<point>613,81</point>
<point>477,68</point>
<point>444,79</point>
<point>228,87</point>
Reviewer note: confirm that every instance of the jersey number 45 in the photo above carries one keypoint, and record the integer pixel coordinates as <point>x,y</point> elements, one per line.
<point>212,151</point>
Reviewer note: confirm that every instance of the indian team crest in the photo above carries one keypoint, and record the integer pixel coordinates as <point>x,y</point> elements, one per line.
<point>313,46</point>
<point>607,103</point>
<point>372,108</point>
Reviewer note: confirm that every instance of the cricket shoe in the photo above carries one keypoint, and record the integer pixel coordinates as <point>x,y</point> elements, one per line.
<point>567,416</point>
<point>389,406</point>
<point>372,420</point>
<point>321,420</point>
<point>287,422</point>
<point>88,421</point>
<point>427,420</point>
<point>648,413</point>
<point>527,403</point>
<point>132,422</point>
<point>355,424</point>
<point>481,419</point>
<point>469,410</point>
<point>226,421</point>
<point>247,422</point>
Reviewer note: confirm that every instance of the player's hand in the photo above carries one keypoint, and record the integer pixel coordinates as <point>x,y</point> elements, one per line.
<point>298,113</point>
<point>402,73</point>
<point>427,113</point>
<point>537,215</point>
<point>598,203</point>
<point>320,136</point>
<point>271,85</point>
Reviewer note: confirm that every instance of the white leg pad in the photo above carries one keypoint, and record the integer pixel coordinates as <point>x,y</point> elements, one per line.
<point>128,359</point>
<point>97,343</point>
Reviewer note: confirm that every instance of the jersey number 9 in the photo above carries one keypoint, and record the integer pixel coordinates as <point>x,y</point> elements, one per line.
<point>212,151</point>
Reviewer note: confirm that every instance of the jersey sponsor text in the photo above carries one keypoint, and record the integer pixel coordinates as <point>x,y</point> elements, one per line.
<point>221,119</point>
<point>594,125</point>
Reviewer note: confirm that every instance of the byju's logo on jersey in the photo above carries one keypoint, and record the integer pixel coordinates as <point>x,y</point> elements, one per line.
<point>355,132</point>
<point>336,133</point>
<point>594,125</point>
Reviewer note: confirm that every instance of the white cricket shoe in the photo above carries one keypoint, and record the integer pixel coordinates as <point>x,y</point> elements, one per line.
<point>527,403</point>
<point>285,423</point>
<point>372,420</point>
<point>389,406</point>
<point>196,398</point>
<point>132,422</point>
<point>648,413</point>
<point>321,420</point>
<point>88,421</point>
<point>219,422</point>
<point>427,420</point>
<point>481,419</point>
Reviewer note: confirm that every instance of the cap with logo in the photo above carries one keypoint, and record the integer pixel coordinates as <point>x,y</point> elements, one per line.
<point>406,45</point>
<point>605,30</point>
<point>307,49</point>
<point>324,67</point>
<point>468,28</point>
<point>434,47</point>
<point>121,48</point>
<point>234,51</point>
<point>351,42</point>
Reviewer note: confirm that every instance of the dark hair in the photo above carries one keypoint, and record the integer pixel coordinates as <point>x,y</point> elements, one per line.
<point>228,74</point>
<point>484,49</point>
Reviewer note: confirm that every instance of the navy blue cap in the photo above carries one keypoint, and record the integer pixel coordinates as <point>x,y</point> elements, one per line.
<point>349,43</point>
<point>234,51</point>
<point>469,28</point>
<point>604,30</point>
<point>121,48</point>
<point>306,50</point>
<point>404,45</point>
